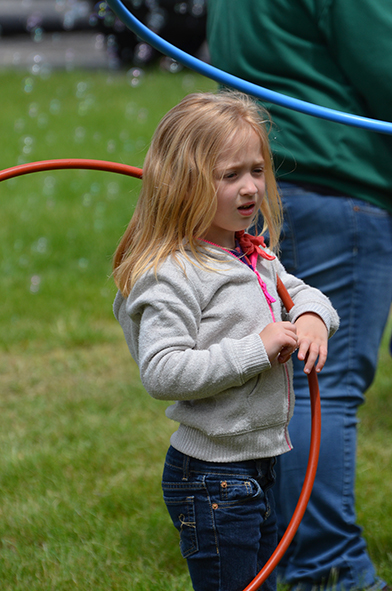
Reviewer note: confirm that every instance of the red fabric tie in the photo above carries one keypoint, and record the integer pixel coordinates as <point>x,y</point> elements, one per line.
<point>250,244</point>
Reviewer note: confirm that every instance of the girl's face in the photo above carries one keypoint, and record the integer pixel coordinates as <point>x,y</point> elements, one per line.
<point>240,184</point>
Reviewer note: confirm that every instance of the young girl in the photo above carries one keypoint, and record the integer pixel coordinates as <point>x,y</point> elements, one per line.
<point>202,318</point>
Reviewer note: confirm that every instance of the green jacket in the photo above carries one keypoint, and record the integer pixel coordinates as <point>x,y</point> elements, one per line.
<point>334,53</point>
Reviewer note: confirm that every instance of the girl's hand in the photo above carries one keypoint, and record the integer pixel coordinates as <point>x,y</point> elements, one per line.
<point>312,341</point>
<point>280,341</point>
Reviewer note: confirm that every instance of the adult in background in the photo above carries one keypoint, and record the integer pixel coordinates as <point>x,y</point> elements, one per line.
<point>336,183</point>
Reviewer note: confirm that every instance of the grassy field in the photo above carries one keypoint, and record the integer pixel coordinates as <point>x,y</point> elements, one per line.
<point>82,445</point>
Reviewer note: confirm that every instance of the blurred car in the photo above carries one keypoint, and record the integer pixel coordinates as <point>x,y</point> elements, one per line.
<point>26,16</point>
<point>181,23</point>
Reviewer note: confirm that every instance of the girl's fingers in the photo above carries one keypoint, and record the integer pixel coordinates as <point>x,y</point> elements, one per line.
<point>313,341</point>
<point>279,337</point>
<point>313,352</point>
<point>286,353</point>
<point>322,358</point>
<point>303,349</point>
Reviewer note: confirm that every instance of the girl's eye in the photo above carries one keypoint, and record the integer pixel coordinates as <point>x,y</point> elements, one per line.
<point>258,170</point>
<point>230,175</point>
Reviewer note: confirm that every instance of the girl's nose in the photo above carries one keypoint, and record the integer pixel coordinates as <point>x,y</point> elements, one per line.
<point>248,186</point>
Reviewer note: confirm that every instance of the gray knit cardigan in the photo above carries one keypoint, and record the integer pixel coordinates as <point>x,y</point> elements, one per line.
<point>194,334</point>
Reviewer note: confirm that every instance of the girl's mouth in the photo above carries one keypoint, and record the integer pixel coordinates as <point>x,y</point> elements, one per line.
<point>246,209</point>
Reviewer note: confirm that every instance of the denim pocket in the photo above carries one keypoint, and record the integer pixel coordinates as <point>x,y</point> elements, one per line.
<point>237,490</point>
<point>182,513</point>
<point>369,208</point>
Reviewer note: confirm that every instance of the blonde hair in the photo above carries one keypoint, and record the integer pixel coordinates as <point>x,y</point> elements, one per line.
<point>177,202</point>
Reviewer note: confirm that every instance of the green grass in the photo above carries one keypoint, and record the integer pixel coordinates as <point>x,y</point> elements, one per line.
<point>60,229</point>
<point>82,454</point>
<point>82,445</point>
<point>374,475</point>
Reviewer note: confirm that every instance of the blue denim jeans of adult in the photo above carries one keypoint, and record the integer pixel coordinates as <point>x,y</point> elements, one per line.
<point>225,515</point>
<point>343,246</point>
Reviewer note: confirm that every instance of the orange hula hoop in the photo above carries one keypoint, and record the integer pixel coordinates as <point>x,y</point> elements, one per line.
<point>103,165</point>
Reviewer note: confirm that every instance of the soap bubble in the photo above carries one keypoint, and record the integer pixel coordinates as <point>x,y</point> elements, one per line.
<point>111,146</point>
<point>135,76</point>
<point>19,125</point>
<point>130,110</point>
<point>100,42</point>
<point>142,115</point>
<point>28,144</point>
<point>23,261</point>
<point>156,20</point>
<point>34,20</point>
<point>141,144</point>
<point>151,4</point>
<point>181,8</point>
<point>83,263</point>
<point>170,65</point>
<point>28,85</point>
<point>79,135</point>
<point>69,59</point>
<point>69,20</point>
<point>38,62</point>
<point>71,234</point>
<point>33,109</point>
<point>128,143</point>
<point>198,8</point>
<point>55,106</point>
<point>113,190</point>
<point>45,71</point>
<point>86,200</point>
<point>40,246</point>
<point>49,185</point>
<point>81,89</point>
<point>105,293</point>
<point>111,42</point>
<point>103,13</point>
<point>86,105</point>
<point>35,283</point>
<point>42,120</point>
<point>129,146</point>
<point>188,82</point>
<point>51,138</point>
<point>95,188</point>
<point>37,34</point>
<point>143,53</point>
<point>16,58</point>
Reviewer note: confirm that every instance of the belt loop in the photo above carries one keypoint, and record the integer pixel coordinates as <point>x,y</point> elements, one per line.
<point>185,467</point>
<point>260,468</point>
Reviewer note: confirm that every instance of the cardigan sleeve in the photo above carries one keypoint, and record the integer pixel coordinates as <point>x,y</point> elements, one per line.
<point>308,299</point>
<point>164,318</point>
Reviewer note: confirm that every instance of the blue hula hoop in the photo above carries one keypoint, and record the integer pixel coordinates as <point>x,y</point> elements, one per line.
<point>226,79</point>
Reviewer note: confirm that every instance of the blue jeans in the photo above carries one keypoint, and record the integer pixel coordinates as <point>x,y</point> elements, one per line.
<point>343,246</point>
<point>225,516</point>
